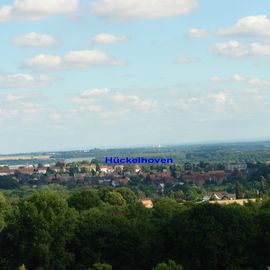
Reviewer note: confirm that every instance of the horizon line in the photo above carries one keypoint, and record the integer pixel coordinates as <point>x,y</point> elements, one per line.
<point>155,145</point>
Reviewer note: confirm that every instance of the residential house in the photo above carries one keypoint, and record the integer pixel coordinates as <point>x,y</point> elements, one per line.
<point>119,181</point>
<point>106,169</point>
<point>147,203</point>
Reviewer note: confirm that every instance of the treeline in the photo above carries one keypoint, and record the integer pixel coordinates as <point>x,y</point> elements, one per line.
<point>221,152</point>
<point>109,229</point>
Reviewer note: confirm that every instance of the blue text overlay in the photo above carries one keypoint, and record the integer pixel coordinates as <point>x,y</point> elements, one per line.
<point>137,160</point>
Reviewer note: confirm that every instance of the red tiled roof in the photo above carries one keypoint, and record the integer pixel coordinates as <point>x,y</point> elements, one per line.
<point>121,180</point>
<point>90,167</point>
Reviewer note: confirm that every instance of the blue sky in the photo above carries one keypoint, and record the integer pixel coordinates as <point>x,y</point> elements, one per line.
<point>110,73</point>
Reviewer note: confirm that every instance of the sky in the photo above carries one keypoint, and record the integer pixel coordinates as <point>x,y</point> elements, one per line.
<point>115,73</point>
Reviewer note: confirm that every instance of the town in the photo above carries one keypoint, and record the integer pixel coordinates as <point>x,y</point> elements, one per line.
<point>184,181</point>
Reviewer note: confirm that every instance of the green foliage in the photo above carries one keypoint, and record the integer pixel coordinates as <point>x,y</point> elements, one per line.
<point>149,191</point>
<point>127,194</point>
<point>55,188</point>
<point>165,208</point>
<point>210,236</point>
<point>84,199</point>
<point>95,161</point>
<point>195,193</point>
<point>38,231</point>
<point>3,211</point>
<point>97,168</point>
<point>145,168</point>
<point>135,180</point>
<point>73,170</point>
<point>239,193</point>
<point>46,230</point>
<point>171,265</point>
<point>264,189</point>
<point>129,168</point>
<point>22,267</point>
<point>8,182</point>
<point>177,195</point>
<point>60,164</point>
<point>114,198</point>
<point>101,266</point>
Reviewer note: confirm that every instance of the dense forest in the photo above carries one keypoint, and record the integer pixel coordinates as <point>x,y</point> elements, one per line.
<point>109,228</point>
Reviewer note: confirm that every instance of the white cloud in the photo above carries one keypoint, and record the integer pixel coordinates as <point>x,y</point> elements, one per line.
<point>20,80</point>
<point>73,59</point>
<point>55,116</point>
<point>118,97</point>
<point>186,60</point>
<point>231,48</point>
<point>36,9</point>
<point>105,101</point>
<point>35,40</point>
<point>219,98</point>
<point>187,103</point>
<point>142,9</point>
<point>95,92</point>
<point>87,58</point>
<point>133,100</point>
<point>260,49</point>
<point>105,38</point>
<point>6,113</point>
<point>258,82</point>
<point>197,33</point>
<point>241,79</point>
<point>13,98</point>
<point>236,49</point>
<point>30,108</point>
<point>44,61</point>
<point>251,25</point>
<point>216,79</point>
<point>22,107</point>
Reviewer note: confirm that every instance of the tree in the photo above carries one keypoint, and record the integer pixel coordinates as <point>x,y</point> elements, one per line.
<point>22,267</point>
<point>95,161</point>
<point>127,194</point>
<point>188,166</point>
<point>177,195</point>
<point>164,208</point>
<point>114,198</point>
<point>171,265</point>
<point>173,171</point>
<point>135,180</point>
<point>97,168</point>
<point>101,266</point>
<point>210,236</point>
<point>3,210</point>
<point>93,172</point>
<point>145,168</point>
<point>239,191</point>
<point>129,168</point>
<point>8,182</point>
<point>84,170</point>
<point>194,193</point>
<point>37,233</point>
<point>60,164</point>
<point>263,186</point>
<point>73,170</point>
<point>50,171</point>
<point>84,199</point>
